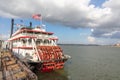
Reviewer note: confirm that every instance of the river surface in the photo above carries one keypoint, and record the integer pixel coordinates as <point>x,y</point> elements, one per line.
<point>87,63</point>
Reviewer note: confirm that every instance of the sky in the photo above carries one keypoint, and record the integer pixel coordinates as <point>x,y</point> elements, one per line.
<point>73,21</point>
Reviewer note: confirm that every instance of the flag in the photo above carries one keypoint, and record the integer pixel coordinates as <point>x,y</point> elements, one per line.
<point>37,16</point>
<point>18,25</point>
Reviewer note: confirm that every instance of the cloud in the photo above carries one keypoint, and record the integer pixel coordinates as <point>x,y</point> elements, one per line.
<point>72,13</point>
<point>109,27</point>
<point>111,33</point>
<point>91,39</point>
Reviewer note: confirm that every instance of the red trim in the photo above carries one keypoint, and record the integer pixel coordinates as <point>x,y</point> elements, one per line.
<point>50,33</point>
<point>23,47</point>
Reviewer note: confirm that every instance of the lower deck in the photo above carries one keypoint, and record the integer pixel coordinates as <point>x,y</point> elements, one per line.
<point>48,57</point>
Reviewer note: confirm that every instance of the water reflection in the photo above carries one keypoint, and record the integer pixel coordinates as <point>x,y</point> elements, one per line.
<point>54,75</point>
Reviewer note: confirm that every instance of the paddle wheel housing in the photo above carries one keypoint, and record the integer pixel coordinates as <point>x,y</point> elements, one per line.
<point>52,58</point>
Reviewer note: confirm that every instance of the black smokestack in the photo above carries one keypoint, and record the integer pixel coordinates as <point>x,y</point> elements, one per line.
<point>12,25</point>
<point>30,24</point>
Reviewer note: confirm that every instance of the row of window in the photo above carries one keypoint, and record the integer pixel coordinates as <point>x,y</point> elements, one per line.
<point>38,41</point>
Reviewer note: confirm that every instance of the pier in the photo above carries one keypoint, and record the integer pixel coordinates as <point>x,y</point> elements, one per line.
<point>12,68</point>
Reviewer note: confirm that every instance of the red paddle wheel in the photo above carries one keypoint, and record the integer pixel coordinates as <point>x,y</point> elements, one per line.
<point>51,57</point>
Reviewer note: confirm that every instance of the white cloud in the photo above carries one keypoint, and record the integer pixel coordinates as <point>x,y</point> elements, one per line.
<point>71,13</point>
<point>91,39</point>
<point>74,13</point>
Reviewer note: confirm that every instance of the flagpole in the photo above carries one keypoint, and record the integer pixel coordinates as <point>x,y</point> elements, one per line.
<point>41,21</point>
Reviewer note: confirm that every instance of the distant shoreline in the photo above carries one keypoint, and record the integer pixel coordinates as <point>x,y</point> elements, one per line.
<point>81,44</point>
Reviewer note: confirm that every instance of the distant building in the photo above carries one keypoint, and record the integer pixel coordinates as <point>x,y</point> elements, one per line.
<point>117,45</point>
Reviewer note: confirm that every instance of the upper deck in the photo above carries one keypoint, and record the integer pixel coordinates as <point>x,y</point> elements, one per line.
<point>28,32</point>
<point>37,30</point>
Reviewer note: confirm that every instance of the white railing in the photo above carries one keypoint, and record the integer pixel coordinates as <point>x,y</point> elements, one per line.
<point>53,43</point>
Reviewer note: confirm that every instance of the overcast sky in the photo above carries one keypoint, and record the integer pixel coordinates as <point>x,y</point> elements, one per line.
<point>101,17</point>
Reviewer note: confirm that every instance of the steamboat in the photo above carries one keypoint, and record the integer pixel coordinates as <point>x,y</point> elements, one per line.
<point>37,48</point>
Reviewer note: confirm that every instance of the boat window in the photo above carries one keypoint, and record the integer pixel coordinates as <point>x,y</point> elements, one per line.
<point>38,41</point>
<point>29,40</point>
<point>24,41</point>
<point>46,41</point>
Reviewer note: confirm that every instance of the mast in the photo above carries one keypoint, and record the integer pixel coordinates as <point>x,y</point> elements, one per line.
<point>30,24</point>
<point>12,26</point>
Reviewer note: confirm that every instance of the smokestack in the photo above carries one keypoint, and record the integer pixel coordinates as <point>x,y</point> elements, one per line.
<point>31,24</point>
<point>12,25</point>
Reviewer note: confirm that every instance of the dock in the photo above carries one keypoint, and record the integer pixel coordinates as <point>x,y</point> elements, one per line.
<point>12,68</point>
